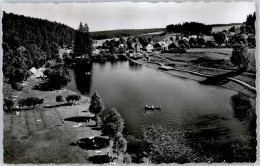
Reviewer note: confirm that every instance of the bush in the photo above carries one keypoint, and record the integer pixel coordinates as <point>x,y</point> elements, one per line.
<point>31,101</point>
<point>201,41</point>
<point>127,159</point>
<point>219,38</point>
<point>59,98</point>
<point>8,104</point>
<point>73,98</point>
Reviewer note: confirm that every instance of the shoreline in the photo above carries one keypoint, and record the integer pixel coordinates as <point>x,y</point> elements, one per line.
<point>237,85</point>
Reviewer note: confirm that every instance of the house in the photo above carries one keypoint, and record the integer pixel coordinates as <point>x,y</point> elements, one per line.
<point>210,41</point>
<point>159,46</point>
<point>137,47</point>
<point>33,70</point>
<point>148,47</point>
<point>173,45</point>
<point>95,51</point>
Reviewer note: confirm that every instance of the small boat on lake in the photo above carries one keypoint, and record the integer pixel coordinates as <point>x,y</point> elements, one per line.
<point>155,108</point>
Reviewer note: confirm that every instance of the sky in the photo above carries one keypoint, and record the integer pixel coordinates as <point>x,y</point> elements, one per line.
<point>129,15</point>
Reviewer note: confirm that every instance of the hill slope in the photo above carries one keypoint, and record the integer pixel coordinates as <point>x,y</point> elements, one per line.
<point>122,32</point>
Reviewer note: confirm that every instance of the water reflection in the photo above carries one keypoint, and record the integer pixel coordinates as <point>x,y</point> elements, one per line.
<point>83,77</point>
<point>134,66</point>
<point>241,106</point>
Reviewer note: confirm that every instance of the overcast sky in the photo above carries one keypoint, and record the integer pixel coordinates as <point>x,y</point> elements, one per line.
<point>129,15</point>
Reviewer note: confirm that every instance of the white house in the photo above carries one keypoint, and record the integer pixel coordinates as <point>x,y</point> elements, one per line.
<point>148,47</point>
<point>33,70</point>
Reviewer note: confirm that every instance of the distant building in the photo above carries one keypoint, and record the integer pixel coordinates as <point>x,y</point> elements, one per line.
<point>173,45</point>
<point>148,47</point>
<point>210,41</point>
<point>33,70</point>
<point>95,51</point>
<point>159,46</point>
<point>137,47</point>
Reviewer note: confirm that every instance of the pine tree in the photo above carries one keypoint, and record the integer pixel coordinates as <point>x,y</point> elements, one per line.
<point>96,105</point>
<point>83,42</point>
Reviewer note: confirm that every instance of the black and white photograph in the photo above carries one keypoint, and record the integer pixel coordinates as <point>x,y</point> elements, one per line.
<point>129,82</point>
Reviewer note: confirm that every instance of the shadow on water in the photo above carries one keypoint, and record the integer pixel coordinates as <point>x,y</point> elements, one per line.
<point>91,144</point>
<point>241,106</point>
<point>83,77</point>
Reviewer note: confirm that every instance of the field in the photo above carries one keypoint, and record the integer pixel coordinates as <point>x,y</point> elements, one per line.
<point>224,27</point>
<point>39,135</point>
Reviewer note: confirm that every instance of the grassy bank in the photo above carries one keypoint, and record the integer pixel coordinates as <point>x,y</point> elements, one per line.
<point>205,61</point>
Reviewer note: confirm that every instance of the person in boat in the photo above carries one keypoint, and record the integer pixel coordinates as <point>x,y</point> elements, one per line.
<point>153,107</point>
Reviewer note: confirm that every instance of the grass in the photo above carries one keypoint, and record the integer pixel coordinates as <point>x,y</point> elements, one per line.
<point>37,135</point>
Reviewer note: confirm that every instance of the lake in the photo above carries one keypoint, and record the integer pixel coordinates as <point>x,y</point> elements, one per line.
<point>129,87</point>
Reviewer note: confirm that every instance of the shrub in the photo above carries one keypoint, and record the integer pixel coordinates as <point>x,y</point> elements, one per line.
<point>8,104</point>
<point>73,98</point>
<point>59,98</point>
<point>127,159</point>
<point>219,38</point>
<point>31,101</point>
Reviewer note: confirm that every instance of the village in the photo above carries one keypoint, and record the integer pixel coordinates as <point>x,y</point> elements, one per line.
<point>169,42</point>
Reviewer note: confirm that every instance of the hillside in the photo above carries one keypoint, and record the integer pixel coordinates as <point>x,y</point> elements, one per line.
<point>28,30</point>
<point>30,42</point>
<point>122,32</point>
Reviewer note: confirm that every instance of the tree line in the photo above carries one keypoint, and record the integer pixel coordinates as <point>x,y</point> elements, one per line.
<point>190,27</point>
<point>122,32</point>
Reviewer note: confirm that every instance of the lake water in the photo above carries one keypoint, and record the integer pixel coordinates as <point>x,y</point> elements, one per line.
<point>129,87</point>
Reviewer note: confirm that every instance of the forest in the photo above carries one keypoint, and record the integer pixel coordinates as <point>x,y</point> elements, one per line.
<point>30,42</point>
<point>122,32</point>
<point>191,27</point>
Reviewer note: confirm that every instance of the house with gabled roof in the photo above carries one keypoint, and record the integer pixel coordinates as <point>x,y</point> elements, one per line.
<point>148,47</point>
<point>159,46</point>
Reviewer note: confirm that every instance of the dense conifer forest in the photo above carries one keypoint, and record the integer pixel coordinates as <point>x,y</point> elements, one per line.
<point>30,42</point>
<point>122,32</point>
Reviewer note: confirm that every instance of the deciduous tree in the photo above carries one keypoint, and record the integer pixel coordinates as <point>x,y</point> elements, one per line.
<point>219,37</point>
<point>113,124</point>
<point>240,57</point>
